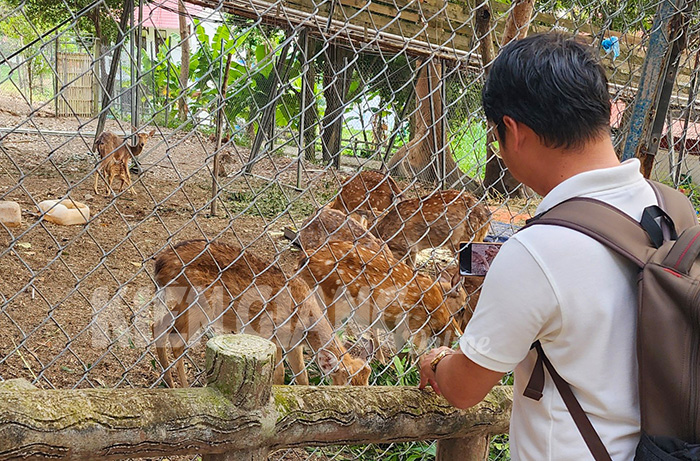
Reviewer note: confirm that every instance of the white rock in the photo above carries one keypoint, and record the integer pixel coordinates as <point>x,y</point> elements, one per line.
<point>65,212</point>
<point>10,214</point>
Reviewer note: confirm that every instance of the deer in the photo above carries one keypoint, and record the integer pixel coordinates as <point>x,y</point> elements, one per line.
<point>369,190</point>
<point>329,225</point>
<point>218,284</point>
<point>445,218</point>
<point>352,280</point>
<point>115,154</point>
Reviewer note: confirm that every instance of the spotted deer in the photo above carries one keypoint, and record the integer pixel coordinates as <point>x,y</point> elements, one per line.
<point>329,225</point>
<point>218,284</point>
<point>368,190</point>
<point>115,154</point>
<point>444,218</point>
<point>380,291</point>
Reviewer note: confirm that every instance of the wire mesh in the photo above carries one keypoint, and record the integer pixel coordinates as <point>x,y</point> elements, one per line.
<point>271,114</point>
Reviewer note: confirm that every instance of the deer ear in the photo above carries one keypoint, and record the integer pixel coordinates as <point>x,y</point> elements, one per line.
<point>327,361</point>
<point>150,135</point>
<point>360,218</point>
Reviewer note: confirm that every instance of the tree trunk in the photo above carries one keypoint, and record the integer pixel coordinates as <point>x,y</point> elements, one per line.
<point>185,61</point>
<point>335,90</point>
<point>497,178</point>
<point>30,82</point>
<point>98,70</point>
<point>419,158</point>
<point>311,115</point>
<point>518,22</point>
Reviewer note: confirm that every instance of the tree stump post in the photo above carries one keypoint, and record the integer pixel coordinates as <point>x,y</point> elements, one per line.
<point>474,448</point>
<point>241,368</point>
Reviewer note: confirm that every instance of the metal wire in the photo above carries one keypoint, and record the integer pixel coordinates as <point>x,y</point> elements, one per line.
<point>312,101</point>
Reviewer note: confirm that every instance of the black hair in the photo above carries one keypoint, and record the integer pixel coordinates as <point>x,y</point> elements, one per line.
<point>552,83</point>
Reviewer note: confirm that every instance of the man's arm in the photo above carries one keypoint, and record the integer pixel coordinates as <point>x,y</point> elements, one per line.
<point>462,382</point>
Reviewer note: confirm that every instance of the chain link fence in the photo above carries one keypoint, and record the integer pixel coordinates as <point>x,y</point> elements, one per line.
<point>255,115</point>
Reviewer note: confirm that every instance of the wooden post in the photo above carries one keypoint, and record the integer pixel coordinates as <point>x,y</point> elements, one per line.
<point>281,70</point>
<point>241,368</point>
<point>114,67</point>
<point>473,448</point>
<point>443,125</point>
<point>311,117</point>
<point>56,75</point>
<point>496,175</point>
<point>219,129</point>
<point>96,77</point>
<point>167,85</point>
<point>335,87</point>
<point>304,84</point>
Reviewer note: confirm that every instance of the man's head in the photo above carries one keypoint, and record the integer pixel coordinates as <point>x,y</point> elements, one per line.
<point>553,84</point>
<point>548,97</point>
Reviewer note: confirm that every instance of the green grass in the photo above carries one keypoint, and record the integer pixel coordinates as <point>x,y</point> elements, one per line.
<point>469,148</point>
<point>468,144</point>
<point>269,201</point>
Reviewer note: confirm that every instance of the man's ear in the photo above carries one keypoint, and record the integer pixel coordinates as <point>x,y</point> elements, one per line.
<point>513,131</point>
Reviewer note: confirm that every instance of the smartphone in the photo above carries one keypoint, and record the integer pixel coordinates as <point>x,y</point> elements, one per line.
<point>476,257</point>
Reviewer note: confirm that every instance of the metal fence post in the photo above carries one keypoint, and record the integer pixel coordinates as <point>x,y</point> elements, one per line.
<point>656,82</point>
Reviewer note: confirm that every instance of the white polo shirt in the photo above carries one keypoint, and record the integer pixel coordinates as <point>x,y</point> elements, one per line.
<point>579,299</point>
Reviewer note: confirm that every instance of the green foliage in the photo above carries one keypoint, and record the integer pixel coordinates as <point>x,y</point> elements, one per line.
<point>618,15</point>
<point>17,27</point>
<point>468,145</point>
<point>400,372</point>
<point>691,190</point>
<point>164,75</point>
<point>500,448</point>
<point>97,20</point>
<point>407,451</point>
<point>270,202</point>
<point>250,76</point>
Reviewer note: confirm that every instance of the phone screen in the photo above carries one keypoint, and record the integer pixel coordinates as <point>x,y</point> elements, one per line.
<point>475,258</point>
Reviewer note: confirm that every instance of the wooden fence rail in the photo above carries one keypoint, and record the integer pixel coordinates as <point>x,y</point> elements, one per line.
<point>238,416</point>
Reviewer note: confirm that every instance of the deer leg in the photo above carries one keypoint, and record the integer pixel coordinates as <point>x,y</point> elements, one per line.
<point>109,184</point>
<point>295,358</point>
<point>377,347</point>
<point>278,376</point>
<point>129,183</point>
<point>187,322</point>
<point>178,345</point>
<point>159,330</point>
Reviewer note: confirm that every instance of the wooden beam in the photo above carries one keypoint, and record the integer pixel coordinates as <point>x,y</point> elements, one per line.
<point>238,412</point>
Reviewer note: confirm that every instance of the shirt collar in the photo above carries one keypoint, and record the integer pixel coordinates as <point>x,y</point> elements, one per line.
<point>593,182</point>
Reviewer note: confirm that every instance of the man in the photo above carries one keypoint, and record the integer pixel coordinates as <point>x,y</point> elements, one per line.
<point>548,100</point>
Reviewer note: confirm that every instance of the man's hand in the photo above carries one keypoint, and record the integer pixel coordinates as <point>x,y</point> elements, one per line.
<point>427,375</point>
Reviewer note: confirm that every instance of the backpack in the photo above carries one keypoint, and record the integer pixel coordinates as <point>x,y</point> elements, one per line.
<point>664,247</point>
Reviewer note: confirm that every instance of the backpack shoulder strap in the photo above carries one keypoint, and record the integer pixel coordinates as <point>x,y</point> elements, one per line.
<point>534,391</point>
<point>676,205</point>
<point>603,223</point>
